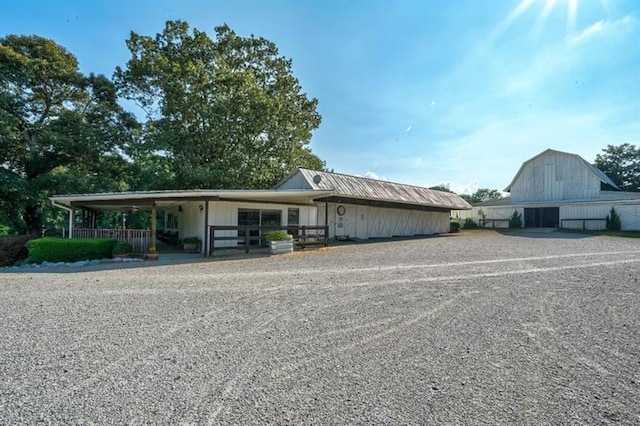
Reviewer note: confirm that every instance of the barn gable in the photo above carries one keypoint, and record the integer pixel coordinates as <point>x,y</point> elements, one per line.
<point>555,175</point>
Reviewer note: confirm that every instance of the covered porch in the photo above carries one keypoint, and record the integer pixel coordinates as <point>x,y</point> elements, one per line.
<point>184,214</point>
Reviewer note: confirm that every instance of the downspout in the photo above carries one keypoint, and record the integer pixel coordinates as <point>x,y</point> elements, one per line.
<point>70,210</point>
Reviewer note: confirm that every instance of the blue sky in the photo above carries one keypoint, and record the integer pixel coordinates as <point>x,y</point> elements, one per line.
<point>420,92</point>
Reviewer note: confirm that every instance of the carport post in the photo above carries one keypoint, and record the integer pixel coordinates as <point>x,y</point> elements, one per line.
<point>154,214</point>
<point>206,229</point>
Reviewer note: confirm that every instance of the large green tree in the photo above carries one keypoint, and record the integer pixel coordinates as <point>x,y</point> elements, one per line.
<point>61,131</point>
<point>222,113</point>
<point>622,164</point>
<point>482,195</point>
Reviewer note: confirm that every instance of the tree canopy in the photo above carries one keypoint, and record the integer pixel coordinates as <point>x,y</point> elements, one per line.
<point>622,164</point>
<point>221,113</point>
<point>482,195</point>
<point>62,131</point>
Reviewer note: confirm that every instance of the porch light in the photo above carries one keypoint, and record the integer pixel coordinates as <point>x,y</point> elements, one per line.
<point>201,207</point>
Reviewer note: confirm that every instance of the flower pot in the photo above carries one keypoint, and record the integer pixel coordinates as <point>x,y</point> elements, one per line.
<point>151,256</point>
<point>279,247</point>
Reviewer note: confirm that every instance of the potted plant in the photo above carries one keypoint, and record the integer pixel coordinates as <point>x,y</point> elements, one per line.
<point>191,244</point>
<point>279,242</point>
<point>121,250</point>
<point>151,254</point>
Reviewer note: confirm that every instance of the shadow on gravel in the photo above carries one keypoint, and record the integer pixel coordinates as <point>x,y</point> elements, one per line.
<point>173,258</point>
<point>543,233</point>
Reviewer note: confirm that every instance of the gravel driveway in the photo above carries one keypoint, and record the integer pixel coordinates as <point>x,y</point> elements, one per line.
<point>477,328</point>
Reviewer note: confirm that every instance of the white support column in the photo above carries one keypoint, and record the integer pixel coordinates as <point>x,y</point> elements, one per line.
<point>72,217</point>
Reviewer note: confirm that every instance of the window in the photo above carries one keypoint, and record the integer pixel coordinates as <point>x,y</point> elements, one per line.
<point>293,216</point>
<point>257,217</point>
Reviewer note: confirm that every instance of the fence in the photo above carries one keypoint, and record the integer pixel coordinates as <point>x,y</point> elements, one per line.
<point>303,235</point>
<point>596,224</point>
<point>140,239</point>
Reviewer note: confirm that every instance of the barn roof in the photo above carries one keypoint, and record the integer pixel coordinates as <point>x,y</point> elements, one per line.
<point>379,190</point>
<point>593,169</point>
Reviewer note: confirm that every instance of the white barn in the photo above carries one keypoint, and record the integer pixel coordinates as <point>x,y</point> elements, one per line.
<point>559,189</point>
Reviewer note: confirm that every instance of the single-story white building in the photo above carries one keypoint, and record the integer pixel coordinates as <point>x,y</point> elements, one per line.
<point>314,205</point>
<point>559,189</point>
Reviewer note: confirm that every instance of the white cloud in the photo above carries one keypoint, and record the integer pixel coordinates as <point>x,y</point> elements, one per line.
<point>373,175</point>
<point>433,103</point>
<point>602,28</point>
<point>466,188</point>
<point>408,129</point>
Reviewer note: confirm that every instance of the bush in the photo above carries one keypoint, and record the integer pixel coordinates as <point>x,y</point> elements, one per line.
<point>613,221</point>
<point>13,250</point>
<point>470,224</point>
<point>454,226</point>
<point>52,249</point>
<point>516,220</point>
<point>278,236</point>
<point>191,240</point>
<point>122,248</point>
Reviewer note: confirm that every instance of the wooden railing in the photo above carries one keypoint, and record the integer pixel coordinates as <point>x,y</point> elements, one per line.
<point>303,235</point>
<point>483,222</point>
<point>140,239</point>
<point>584,223</point>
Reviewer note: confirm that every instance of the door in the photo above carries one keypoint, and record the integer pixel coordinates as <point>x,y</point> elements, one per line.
<point>345,221</point>
<point>249,217</point>
<point>542,217</point>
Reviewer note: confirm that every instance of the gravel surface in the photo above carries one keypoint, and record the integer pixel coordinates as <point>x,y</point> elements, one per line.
<point>480,328</point>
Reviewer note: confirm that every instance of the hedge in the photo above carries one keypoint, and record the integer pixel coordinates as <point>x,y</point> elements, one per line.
<point>53,249</point>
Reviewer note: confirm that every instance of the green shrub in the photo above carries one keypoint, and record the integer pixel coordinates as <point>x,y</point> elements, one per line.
<point>278,236</point>
<point>470,224</point>
<point>516,220</point>
<point>54,249</point>
<point>191,240</point>
<point>454,226</point>
<point>613,221</point>
<point>122,248</point>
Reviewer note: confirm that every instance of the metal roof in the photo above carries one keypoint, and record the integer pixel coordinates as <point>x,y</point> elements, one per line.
<point>593,169</point>
<point>144,199</point>
<point>372,189</point>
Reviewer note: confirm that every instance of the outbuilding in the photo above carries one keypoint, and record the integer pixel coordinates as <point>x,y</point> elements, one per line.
<point>312,205</point>
<point>561,190</point>
<point>364,208</point>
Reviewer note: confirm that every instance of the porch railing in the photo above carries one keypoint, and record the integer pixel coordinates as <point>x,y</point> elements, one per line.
<point>303,236</point>
<point>139,239</point>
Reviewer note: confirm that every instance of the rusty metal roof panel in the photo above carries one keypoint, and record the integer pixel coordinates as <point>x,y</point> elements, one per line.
<point>366,188</point>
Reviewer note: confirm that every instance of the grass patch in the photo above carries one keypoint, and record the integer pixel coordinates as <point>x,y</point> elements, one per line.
<point>624,234</point>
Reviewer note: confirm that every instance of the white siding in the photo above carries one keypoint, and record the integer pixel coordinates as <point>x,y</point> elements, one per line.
<point>555,176</point>
<point>629,213</point>
<point>495,212</point>
<point>297,181</point>
<point>191,221</point>
<point>365,222</point>
<point>226,214</point>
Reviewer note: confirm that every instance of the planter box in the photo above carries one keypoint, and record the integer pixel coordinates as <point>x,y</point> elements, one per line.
<point>279,247</point>
<point>151,256</point>
<point>190,247</point>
